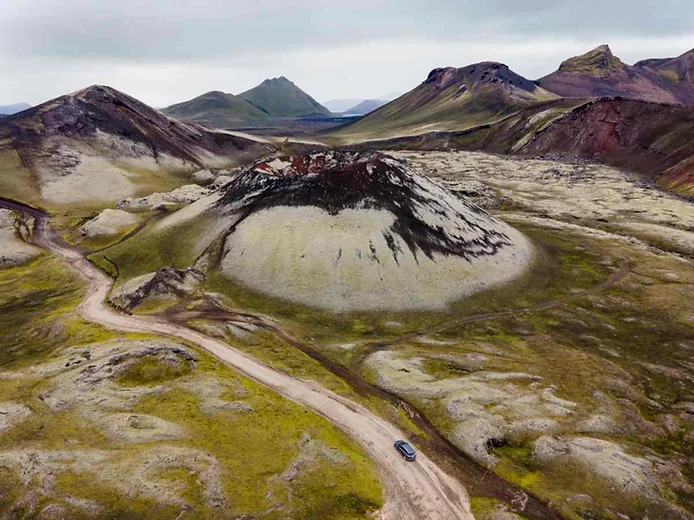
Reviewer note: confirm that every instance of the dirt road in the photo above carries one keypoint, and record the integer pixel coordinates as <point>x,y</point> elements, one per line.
<point>416,491</point>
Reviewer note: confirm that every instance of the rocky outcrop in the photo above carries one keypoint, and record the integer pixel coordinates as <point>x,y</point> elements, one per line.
<point>167,282</point>
<point>165,200</point>
<point>108,222</point>
<point>13,250</point>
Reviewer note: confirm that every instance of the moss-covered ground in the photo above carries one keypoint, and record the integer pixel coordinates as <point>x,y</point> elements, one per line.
<point>561,321</point>
<point>566,325</point>
<point>254,448</point>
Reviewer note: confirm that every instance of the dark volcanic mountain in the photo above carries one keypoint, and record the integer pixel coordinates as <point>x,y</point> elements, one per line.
<point>276,98</point>
<point>101,144</point>
<point>599,73</point>
<point>350,230</point>
<point>678,72</point>
<point>451,99</point>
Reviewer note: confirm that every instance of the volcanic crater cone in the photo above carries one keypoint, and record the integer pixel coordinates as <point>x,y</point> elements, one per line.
<point>361,230</point>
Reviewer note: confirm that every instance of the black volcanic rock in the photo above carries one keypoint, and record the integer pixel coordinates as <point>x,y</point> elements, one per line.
<point>335,181</point>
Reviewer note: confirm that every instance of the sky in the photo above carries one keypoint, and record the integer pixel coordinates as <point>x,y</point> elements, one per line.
<point>163,52</point>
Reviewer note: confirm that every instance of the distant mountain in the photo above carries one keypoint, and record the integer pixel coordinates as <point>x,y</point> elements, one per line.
<point>450,99</point>
<point>98,145</point>
<point>679,72</point>
<point>338,106</point>
<point>600,73</point>
<point>217,109</point>
<point>8,110</point>
<point>279,97</point>
<point>276,98</point>
<point>366,106</point>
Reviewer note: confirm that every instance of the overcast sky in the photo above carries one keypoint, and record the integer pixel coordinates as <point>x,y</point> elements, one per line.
<point>167,51</point>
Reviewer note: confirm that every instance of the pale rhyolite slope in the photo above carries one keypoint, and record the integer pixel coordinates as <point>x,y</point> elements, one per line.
<point>349,231</point>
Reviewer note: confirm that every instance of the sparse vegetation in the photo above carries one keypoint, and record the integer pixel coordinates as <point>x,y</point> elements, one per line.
<point>253,447</point>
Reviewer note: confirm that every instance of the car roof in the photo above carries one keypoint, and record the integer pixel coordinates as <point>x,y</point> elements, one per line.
<point>408,449</point>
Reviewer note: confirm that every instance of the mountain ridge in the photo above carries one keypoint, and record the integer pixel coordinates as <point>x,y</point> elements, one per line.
<point>99,144</point>
<point>451,99</point>
<point>366,106</point>
<point>274,98</point>
<point>655,140</point>
<point>599,73</point>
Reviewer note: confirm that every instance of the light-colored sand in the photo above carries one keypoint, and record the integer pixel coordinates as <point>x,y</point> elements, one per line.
<point>12,414</point>
<point>189,212</point>
<point>39,471</point>
<point>103,168</point>
<point>627,473</point>
<point>679,237</point>
<point>108,222</point>
<point>344,262</point>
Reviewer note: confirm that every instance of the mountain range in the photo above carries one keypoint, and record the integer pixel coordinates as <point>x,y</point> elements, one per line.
<point>451,99</point>
<point>357,106</point>
<point>273,99</point>
<point>99,144</point>
<point>366,106</point>
<point>594,106</point>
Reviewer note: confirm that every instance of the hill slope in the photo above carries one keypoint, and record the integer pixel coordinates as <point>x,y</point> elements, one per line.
<point>217,109</point>
<point>273,99</point>
<point>599,73</point>
<point>653,139</point>
<point>366,106</point>
<point>342,231</point>
<point>279,97</point>
<point>450,99</point>
<point>99,145</point>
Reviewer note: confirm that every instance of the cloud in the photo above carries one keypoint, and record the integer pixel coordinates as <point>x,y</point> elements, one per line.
<point>166,51</point>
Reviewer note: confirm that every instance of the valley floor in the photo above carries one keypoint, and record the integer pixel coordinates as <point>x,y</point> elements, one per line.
<point>568,393</point>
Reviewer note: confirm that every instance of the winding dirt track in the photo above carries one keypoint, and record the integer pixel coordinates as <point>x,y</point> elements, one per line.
<point>413,491</point>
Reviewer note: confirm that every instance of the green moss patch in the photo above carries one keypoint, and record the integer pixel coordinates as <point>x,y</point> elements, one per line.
<point>152,370</point>
<point>37,312</point>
